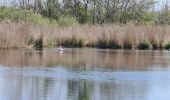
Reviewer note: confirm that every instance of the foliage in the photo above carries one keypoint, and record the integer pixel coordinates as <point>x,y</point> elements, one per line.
<point>67,21</point>
<point>143,45</point>
<point>167,46</point>
<point>16,15</point>
<point>163,17</point>
<point>148,18</point>
<point>71,12</point>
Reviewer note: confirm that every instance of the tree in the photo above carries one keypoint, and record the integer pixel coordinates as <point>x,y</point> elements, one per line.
<point>164,15</point>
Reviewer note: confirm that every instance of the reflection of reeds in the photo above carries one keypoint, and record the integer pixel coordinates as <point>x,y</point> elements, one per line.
<point>105,36</point>
<point>85,58</point>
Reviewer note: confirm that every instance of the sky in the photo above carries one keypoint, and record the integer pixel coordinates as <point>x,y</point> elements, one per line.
<point>161,3</point>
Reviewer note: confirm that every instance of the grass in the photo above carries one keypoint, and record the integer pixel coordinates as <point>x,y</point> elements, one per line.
<point>22,35</point>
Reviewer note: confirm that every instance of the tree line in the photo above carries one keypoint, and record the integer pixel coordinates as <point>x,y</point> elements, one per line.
<point>98,11</point>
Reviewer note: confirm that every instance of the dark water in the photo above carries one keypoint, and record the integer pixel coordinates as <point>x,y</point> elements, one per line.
<point>84,74</point>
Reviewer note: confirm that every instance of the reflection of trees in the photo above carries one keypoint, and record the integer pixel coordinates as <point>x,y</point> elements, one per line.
<point>18,87</point>
<point>79,90</point>
<point>84,90</point>
<point>122,91</point>
<point>115,91</point>
<point>88,90</point>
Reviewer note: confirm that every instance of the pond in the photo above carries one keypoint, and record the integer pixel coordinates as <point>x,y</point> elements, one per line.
<point>84,74</point>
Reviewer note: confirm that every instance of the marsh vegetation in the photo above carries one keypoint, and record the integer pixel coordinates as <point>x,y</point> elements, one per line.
<point>18,35</point>
<point>119,24</point>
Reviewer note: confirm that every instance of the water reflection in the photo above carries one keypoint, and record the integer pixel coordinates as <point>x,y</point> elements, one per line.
<point>87,59</point>
<point>84,74</point>
<point>21,87</point>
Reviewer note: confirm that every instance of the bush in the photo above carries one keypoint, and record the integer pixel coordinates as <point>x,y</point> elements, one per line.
<point>156,46</point>
<point>16,15</point>
<point>167,46</point>
<point>67,21</point>
<point>143,45</point>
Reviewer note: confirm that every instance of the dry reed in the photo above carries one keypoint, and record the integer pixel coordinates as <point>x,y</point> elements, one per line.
<point>16,35</point>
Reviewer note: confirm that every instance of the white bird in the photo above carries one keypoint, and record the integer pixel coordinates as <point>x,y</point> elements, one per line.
<point>60,49</point>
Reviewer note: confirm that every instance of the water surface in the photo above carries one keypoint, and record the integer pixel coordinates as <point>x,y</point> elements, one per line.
<point>84,74</point>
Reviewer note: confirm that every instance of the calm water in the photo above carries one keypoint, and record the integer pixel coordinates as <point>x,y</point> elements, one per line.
<point>84,74</point>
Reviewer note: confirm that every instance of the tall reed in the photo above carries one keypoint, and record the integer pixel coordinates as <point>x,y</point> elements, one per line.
<point>17,35</point>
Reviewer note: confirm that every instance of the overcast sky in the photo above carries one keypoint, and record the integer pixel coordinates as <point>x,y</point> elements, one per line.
<point>161,3</point>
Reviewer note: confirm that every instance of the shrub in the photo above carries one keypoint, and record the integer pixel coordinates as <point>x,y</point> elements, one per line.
<point>67,21</point>
<point>167,46</point>
<point>143,45</point>
<point>156,46</point>
<point>16,15</point>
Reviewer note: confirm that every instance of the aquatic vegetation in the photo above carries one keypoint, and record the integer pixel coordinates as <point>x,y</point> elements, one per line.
<point>21,35</point>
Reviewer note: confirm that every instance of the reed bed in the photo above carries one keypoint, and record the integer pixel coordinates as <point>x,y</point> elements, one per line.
<point>21,35</point>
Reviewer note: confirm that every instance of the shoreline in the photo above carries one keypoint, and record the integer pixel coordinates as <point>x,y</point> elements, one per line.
<point>34,48</point>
